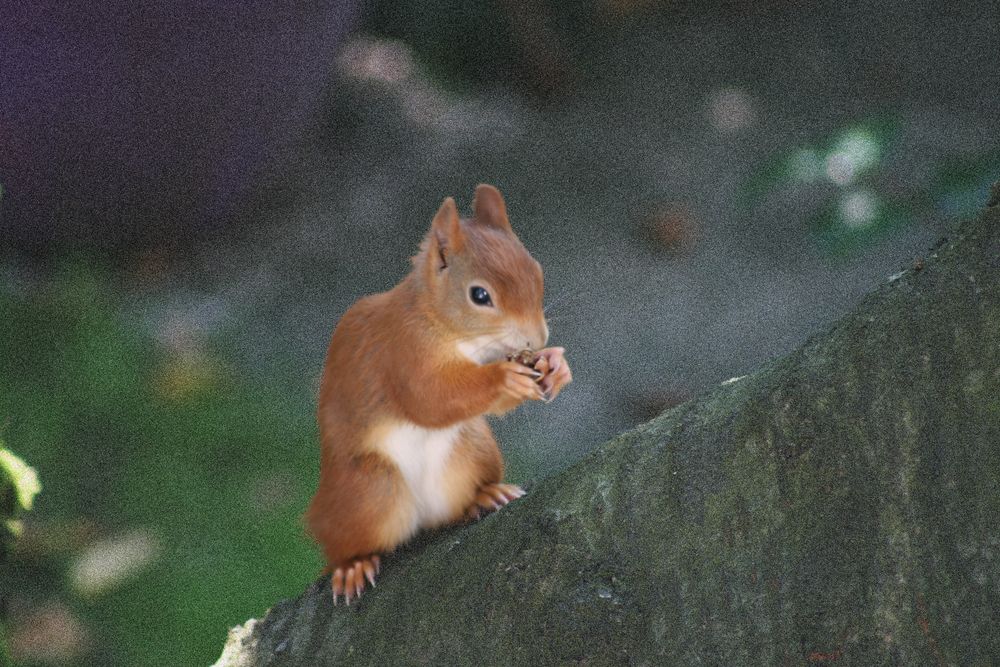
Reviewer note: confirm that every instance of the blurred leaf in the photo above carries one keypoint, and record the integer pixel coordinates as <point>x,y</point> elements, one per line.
<point>842,158</point>
<point>858,218</point>
<point>106,563</point>
<point>14,527</point>
<point>23,476</point>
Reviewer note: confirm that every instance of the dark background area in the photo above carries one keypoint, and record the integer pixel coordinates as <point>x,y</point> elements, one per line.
<point>193,196</point>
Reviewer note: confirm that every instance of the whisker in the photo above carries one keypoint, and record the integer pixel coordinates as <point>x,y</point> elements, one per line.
<point>494,339</point>
<point>561,317</point>
<point>492,332</point>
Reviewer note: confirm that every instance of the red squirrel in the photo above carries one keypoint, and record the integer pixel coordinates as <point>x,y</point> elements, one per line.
<point>410,374</point>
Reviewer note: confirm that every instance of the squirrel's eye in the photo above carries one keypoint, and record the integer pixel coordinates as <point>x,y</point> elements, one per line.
<point>480,296</point>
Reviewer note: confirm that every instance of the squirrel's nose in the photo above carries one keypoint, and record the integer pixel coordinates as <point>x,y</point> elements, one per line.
<point>536,335</point>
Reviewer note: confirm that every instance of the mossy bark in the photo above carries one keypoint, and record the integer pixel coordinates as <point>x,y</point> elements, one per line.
<point>842,506</point>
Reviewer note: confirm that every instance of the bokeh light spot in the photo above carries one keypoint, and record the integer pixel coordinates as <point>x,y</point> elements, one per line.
<point>859,208</point>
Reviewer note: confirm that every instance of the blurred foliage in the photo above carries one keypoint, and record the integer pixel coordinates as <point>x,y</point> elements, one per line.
<point>854,212</point>
<point>215,472</point>
<point>535,46</point>
<point>852,215</point>
<point>13,499</point>
<point>8,498</point>
<point>959,184</point>
<point>22,480</point>
<point>18,486</point>
<point>844,158</point>
<point>856,219</point>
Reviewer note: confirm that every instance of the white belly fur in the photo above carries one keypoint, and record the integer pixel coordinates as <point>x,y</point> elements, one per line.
<point>422,457</point>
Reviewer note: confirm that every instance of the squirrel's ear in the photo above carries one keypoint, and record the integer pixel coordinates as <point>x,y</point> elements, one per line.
<point>489,208</point>
<point>446,233</point>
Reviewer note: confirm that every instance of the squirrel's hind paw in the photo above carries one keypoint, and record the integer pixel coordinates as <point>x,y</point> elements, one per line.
<point>492,497</point>
<point>349,580</point>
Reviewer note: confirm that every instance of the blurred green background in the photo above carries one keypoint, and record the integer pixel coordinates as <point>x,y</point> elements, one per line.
<point>706,185</point>
<point>172,488</point>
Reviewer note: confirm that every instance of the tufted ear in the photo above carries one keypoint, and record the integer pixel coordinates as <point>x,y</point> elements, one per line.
<point>446,236</point>
<point>488,208</point>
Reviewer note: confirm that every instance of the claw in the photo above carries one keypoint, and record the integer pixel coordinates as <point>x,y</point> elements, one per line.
<point>350,584</point>
<point>351,579</point>
<point>493,497</point>
<point>359,581</point>
<point>557,373</point>
<point>337,583</point>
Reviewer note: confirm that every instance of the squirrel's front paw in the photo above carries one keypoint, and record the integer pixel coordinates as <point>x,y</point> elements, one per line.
<point>491,498</point>
<point>555,371</point>
<point>520,382</point>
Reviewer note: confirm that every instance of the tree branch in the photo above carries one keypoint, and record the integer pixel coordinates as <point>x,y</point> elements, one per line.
<point>841,503</point>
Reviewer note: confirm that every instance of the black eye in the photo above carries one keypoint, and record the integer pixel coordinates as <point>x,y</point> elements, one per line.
<point>480,296</point>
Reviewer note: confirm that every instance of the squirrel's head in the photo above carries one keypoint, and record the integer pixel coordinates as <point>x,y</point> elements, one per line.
<point>480,282</point>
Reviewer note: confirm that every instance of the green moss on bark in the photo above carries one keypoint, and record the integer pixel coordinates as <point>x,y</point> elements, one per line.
<point>840,506</point>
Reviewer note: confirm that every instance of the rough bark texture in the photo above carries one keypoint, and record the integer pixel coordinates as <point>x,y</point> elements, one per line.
<point>839,506</point>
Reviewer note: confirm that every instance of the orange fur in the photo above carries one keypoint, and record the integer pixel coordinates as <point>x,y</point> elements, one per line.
<point>408,377</point>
